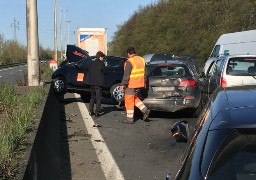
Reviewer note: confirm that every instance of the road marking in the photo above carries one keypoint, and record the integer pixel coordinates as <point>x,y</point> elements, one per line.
<point>107,162</point>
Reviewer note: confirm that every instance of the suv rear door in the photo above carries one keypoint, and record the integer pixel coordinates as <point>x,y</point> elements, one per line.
<point>76,76</point>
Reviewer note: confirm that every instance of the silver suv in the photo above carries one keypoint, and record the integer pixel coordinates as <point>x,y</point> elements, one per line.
<point>229,70</point>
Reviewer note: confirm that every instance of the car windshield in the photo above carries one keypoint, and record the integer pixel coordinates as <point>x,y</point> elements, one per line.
<point>235,157</point>
<point>176,71</point>
<point>242,66</point>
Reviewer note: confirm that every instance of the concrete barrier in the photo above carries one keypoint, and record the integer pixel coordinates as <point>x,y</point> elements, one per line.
<point>43,151</point>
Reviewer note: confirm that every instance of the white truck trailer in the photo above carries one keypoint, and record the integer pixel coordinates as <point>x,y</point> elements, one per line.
<point>92,40</point>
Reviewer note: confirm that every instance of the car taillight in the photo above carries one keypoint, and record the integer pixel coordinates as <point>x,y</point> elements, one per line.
<point>223,82</point>
<point>188,83</point>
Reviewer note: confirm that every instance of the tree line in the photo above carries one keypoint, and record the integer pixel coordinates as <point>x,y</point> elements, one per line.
<point>182,26</point>
<point>12,51</point>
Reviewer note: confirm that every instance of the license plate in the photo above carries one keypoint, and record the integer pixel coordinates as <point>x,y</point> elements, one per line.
<point>163,89</point>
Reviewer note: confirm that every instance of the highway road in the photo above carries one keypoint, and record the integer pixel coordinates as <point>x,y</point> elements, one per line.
<point>117,151</point>
<point>14,74</point>
<point>112,150</point>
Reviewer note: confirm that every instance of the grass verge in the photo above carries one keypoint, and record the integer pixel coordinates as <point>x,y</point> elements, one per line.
<point>16,117</point>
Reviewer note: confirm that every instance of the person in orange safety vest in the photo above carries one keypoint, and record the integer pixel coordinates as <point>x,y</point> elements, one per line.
<point>133,80</point>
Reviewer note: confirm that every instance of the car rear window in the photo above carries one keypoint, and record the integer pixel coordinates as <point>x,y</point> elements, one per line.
<point>242,66</point>
<point>161,57</point>
<point>176,71</point>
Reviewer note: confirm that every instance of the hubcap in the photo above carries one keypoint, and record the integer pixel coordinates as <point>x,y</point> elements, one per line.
<point>59,85</point>
<point>117,94</point>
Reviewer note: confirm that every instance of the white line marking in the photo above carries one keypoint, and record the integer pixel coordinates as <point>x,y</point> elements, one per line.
<point>107,162</point>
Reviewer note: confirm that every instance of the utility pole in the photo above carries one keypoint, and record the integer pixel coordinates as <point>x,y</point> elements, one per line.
<point>55,33</point>
<point>14,25</point>
<point>32,43</point>
<point>68,30</point>
<point>61,47</point>
<point>65,38</point>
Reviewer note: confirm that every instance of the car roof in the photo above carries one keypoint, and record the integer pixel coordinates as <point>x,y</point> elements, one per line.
<point>233,107</point>
<point>148,57</point>
<point>238,55</point>
<point>124,58</point>
<point>157,63</point>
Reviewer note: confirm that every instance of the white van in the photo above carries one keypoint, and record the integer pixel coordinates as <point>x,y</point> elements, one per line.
<point>236,43</point>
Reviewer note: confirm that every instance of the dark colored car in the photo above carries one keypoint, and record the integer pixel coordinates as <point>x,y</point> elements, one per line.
<point>69,77</point>
<point>172,85</point>
<point>223,142</point>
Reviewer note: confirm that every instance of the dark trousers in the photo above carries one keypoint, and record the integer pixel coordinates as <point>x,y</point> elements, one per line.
<point>96,93</point>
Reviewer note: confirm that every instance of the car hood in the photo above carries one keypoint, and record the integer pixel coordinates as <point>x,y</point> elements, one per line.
<point>75,53</point>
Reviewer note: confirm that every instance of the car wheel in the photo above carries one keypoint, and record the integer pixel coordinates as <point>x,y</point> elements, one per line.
<point>116,93</point>
<point>60,86</point>
<point>86,97</point>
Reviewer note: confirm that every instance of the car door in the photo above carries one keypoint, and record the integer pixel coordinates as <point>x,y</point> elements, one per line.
<point>76,76</point>
<point>212,79</point>
<point>205,83</point>
<point>115,68</point>
<point>215,77</point>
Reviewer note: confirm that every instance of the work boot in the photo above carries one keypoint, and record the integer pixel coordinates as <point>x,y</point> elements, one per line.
<point>146,114</point>
<point>128,120</point>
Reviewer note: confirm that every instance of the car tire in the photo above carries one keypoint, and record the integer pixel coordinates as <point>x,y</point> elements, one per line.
<point>86,97</point>
<point>116,93</point>
<point>60,86</point>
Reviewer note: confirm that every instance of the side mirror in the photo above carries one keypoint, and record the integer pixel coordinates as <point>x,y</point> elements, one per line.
<point>180,131</point>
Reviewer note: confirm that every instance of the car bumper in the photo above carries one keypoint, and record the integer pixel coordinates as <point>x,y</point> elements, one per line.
<point>170,104</point>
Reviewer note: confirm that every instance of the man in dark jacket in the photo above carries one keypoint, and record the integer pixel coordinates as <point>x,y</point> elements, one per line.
<point>95,78</point>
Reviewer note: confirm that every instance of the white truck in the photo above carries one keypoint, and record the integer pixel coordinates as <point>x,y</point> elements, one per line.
<point>237,43</point>
<point>92,40</point>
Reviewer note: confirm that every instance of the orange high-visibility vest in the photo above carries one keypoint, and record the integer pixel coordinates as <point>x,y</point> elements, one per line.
<point>137,76</point>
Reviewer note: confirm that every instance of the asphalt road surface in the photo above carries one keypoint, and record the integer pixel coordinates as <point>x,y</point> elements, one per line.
<point>14,74</point>
<point>113,150</point>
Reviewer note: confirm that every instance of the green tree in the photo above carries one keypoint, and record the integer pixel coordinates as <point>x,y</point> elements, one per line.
<point>182,26</point>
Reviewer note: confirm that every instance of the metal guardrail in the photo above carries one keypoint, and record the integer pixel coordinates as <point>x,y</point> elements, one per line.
<point>11,65</point>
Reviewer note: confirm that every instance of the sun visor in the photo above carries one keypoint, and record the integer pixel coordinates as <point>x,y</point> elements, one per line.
<point>75,53</point>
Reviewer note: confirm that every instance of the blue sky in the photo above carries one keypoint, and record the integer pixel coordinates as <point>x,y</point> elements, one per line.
<point>81,13</point>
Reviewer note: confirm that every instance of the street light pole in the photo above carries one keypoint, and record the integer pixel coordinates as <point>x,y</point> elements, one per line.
<point>65,33</point>
<point>55,32</point>
<point>68,30</point>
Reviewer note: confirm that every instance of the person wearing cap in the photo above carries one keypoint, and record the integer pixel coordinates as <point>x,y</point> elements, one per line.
<point>133,81</point>
<point>95,78</point>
